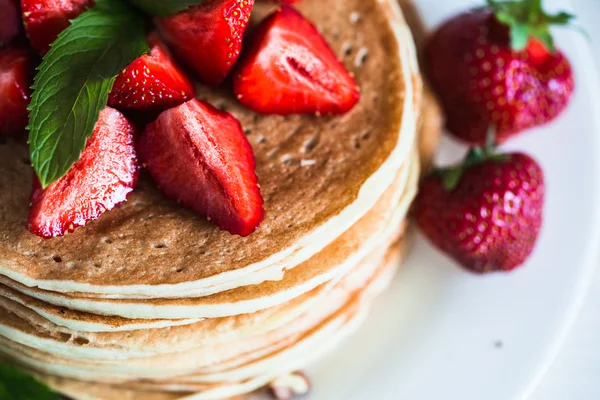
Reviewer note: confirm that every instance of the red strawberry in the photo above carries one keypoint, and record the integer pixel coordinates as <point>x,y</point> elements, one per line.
<point>199,156</point>
<point>490,219</point>
<point>15,80</point>
<point>45,19</point>
<point>289,68</point>
<point>102,178</point>
<point>10,21</point>
<point>498,66</point>
<point>208,36</point>
<point>152,82</point>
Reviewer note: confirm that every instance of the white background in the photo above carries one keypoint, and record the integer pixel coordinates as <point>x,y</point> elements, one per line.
<point>575,375</point>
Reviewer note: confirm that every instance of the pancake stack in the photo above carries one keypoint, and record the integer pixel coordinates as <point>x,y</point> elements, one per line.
<point>153,302</point>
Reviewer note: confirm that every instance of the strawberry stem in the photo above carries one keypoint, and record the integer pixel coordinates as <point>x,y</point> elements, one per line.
<point>528,20</point>
<point>477,155</point>
<point>451,176</point>
<point>490,139</point>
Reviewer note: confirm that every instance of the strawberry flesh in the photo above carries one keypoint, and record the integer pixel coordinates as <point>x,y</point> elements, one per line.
<point>152,82</point>
<point>45,19</point>
<point>490,221</point>
<point>15,79</point>
<point>483,82</point>
<point>289,68</point>
<point>10,21</point>
<point>199,156</point>
<point>102,178</point>
<point>208,37</point>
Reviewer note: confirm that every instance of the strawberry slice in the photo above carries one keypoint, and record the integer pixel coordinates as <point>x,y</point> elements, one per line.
<point>152,82</point>
<point>289,68</point>
<point>199,156</point>
<point>45,19</point>
<point>10,21</point>
<point>15,80</point>
<point>208,36</point>
<point>102,178</point>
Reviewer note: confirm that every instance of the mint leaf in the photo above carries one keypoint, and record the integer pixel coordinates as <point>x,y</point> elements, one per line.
<point>15,385</point>
<point>74,80</point>
<point>163,8</point>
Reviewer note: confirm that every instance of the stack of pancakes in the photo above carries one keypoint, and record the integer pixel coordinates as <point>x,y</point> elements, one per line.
<point>153,302</point>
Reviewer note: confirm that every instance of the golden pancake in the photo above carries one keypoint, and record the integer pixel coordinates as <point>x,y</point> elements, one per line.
<point>18,325</point>
<point>346,251</point>
<point>151,302</point>
<point>151,247</point>
<point>206,358</point>
<point>220,390</point>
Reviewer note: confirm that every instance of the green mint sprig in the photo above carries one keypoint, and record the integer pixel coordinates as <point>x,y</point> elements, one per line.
<point>74,80</point>
<point>15,385</point>
<point>77,74</point>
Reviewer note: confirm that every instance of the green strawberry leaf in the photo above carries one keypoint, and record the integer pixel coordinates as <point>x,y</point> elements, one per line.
<point>519,35</point>
<point>527,19</point>
<point>15,385</point>
<point>162,8</point>
<point>451,177</point>
<point>476,155</point>
<point>74,80</point>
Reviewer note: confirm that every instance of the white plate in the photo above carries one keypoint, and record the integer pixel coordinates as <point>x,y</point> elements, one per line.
<point>443,334</point>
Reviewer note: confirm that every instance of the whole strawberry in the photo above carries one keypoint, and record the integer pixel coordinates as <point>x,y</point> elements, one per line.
<point>498,66</point>
<point>486,213</point>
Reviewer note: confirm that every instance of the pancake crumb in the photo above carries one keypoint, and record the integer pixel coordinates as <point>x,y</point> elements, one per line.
<point>361,57</point>
<point>347,48</point>
<point>310,144</point>
<point>288,159</point>
<point>273,152</point>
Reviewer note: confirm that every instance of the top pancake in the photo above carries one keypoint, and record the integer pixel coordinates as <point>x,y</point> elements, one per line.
<point>315,172</point>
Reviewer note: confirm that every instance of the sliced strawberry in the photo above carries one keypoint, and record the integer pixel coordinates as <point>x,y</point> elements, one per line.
<point>45,19</point>
<point>289,68</point>
<point>208,36</point>
<point>102,178</point>
<point>15,80</point>
<point>199,156</point>
<point>152,82</point>
<point>10,21</point>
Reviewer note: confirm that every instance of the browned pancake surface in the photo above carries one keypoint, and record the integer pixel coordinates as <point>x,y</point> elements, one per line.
<point>151,240</point>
